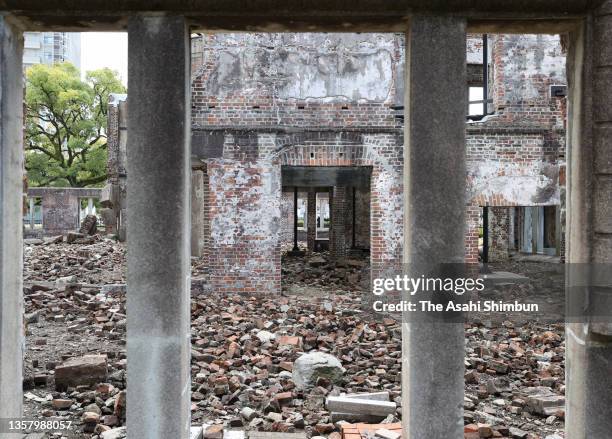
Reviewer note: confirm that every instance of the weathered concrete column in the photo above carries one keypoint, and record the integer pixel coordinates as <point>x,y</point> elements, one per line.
<point>11,227</point>
<point>311,219</point>
<point>435,191</point>
<point>197,212</point>
<point>158,345</point>
<point>589,229</point>
<point>337,233</point>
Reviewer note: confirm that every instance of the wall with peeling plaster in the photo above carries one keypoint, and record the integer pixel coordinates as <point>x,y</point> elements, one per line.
<point>516,156</point>
<point>307,79</point>
<point>261,100</point>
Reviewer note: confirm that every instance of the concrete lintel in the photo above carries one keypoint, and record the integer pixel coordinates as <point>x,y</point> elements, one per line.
<point>11,233</point>
<point>82,192</point>
<point>158,202</point>
<point>326,176</point>
<point>534,26</point>
<point>277,16</point>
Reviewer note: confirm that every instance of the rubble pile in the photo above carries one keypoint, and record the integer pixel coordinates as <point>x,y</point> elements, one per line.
<point>294,363</point>
<point>514,380</point>
<point>320,270</point>
<point>96,261</point>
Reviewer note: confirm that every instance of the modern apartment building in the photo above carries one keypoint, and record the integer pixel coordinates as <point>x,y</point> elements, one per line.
<point>51,47</point>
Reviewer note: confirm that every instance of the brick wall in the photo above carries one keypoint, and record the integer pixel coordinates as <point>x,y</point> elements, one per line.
<point>337,235</point>
<point>516,156</point>
<point>244,206</point>
<point>499,234</point>
<point>60,209</point>
<point>287,217</point>
<point>262,100</point>
<point>311,223</point>
<point>362,218</point>
<point>296,80</point>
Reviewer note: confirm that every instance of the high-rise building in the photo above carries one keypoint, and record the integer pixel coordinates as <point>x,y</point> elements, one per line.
<point>51,47</point>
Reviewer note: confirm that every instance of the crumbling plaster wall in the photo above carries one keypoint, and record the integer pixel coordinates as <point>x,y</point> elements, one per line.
<point>296,80</point>
<point>245,216</point>
<point>302,100</point>
<point>330,99</point>
<point>516,156</point>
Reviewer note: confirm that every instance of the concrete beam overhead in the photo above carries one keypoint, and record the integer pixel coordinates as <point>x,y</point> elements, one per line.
<point>277,16</point>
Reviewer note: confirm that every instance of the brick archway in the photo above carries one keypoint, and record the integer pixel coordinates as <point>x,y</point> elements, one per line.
<point>383,152</point>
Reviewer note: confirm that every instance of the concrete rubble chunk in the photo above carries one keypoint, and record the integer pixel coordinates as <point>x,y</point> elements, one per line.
<point>311,366</point>
<point>517,433</point>
<point>376,396</point>
<point>545,404</point>
<point>265,336</point>
<point>115,433</point>
<point>86,370</point>
<point>360,406</point>
<point>195,432</point>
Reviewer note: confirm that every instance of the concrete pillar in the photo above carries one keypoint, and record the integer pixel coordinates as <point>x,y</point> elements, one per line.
<point>197,212</point>
<point>11,227</point>
<point>311,220</point>
<point>158,197</point>
<point>435,190</point>
<point>589,229</point>
<point>31,216</point>
<point>337,233</point>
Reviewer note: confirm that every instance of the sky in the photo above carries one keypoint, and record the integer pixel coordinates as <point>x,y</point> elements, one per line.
<point>104,49</point>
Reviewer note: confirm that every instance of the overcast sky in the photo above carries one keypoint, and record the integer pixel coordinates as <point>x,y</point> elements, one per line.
<point>104,49</point>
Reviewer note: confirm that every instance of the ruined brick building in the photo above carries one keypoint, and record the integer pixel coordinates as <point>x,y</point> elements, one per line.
<point>319,118</point>
<point>434,185</point>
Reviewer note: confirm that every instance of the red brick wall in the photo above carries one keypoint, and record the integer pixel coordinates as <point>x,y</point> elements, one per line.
<point>245,240</point>
<point>516,156</point>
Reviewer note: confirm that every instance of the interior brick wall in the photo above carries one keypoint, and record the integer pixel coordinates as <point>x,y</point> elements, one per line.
<point>499,234</point>
<point>516,156</point>
<point>287,217</point>
<point>252,92</point>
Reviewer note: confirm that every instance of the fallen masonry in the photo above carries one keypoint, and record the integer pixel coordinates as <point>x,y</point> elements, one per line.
<point>249,354</point>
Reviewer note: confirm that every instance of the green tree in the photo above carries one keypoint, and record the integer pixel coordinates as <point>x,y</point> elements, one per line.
<point>65,125</point>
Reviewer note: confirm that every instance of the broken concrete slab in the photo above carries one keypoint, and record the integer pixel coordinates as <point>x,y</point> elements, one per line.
<point>342,404</point>
<point>375,396</point>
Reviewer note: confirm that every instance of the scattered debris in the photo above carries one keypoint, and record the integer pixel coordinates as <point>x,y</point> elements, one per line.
<point>249,354</point>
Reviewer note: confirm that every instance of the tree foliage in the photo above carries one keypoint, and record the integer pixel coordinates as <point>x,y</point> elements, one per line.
<point>65,124</point>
